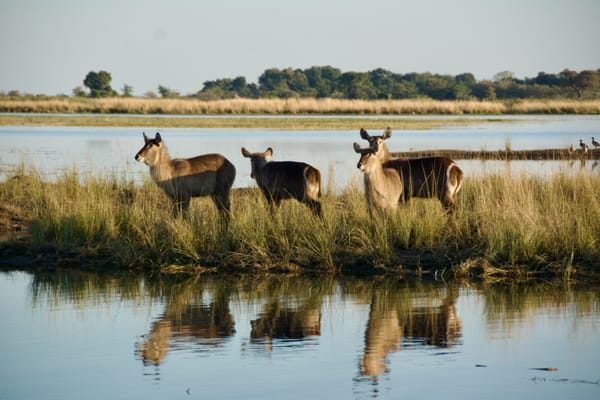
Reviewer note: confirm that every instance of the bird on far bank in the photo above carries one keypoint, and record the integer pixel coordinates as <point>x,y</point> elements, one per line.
<point>584,147</point>
<point>595,143</point>
<point>572,149</point>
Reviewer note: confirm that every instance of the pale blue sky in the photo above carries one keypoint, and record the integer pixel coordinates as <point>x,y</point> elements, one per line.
<point>48,46</point>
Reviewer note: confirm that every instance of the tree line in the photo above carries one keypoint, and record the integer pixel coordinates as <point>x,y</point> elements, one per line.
<point>330,82</point>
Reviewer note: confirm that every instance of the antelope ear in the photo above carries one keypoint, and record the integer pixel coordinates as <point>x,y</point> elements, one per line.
<point>364,134</point>
<point>269,152</point>
<point>145,137</point>
<point>387,133</point>
<point>245,152</point>
<point>157,138</point>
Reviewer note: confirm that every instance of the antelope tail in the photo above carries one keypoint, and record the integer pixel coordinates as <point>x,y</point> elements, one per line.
<point>312,182</point>
<point>454,178</point>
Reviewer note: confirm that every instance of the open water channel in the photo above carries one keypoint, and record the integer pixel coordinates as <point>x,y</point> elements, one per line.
<point>110,151</point>
<point>74,335</point>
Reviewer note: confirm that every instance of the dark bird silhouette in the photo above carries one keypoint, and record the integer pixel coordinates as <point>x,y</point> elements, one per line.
<point>594,143</point>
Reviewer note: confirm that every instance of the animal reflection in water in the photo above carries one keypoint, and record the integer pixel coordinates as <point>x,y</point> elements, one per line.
<point>390,326</point>
<point>208,325</point>
<point>278,322</point>
<point>212,324</point>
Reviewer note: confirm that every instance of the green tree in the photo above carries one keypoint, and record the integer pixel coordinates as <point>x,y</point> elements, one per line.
<point>99,84</point>
<point>383,81</point>
<point>356,85</point>
<point>504,76</point>
<point>127,90</point>
<point>405,90</point>
<point>322,79</point>
<point>167,93</point>
<point>484,90</point>
<point>78,91</point>
<point>581,82</point>
<point>467,79</point>
<point>545,79</point>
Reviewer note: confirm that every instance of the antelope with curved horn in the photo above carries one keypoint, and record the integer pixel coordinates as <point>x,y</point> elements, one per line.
<point>183,178</point>
<point>280,180</point>
<point>427,177</point>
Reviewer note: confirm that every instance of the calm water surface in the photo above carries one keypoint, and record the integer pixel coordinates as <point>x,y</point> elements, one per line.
<point>83,335</point>
<point>110,151</point>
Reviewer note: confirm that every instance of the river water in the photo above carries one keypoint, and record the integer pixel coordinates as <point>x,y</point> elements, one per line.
<point>107,336</point>
<point>110,151</point>
<point>88,335</point>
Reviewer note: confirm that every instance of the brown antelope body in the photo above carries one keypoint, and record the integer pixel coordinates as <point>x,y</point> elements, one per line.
<point>280,180</point>
<point>181,179</point>
<point>428,177</point>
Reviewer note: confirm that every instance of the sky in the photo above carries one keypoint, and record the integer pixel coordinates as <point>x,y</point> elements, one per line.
<point>49,46</point>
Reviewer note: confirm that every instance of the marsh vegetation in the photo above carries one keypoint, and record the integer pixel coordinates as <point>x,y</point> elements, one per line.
<point>503,227</point>
<point>294,106</point>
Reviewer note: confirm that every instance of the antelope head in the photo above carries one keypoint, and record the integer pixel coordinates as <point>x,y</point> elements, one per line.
<point>368,158</point>
<point>257,160</point>
<point>149,153</point>
<point>377,143</point>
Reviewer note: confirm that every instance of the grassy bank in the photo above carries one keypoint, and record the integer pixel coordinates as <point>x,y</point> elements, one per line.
<point>505,227</point>
<point>286,123</point>
<point>188,106</point>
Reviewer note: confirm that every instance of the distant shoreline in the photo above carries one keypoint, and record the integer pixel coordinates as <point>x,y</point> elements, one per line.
<point>286,114</point>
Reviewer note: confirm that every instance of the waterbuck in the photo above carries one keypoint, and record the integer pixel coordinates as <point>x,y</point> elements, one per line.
<point>183,178</point>
<point>426,177</point>
<point>418,177</point>
<point>280,180</point>
<point>383,186</point>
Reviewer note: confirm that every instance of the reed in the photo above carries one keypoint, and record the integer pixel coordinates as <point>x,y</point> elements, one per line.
<point>504,226</point>
<point>293,106</point>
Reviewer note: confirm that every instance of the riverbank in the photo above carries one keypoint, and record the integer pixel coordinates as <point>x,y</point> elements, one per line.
<point>246,122</point>
<point>505,228</point>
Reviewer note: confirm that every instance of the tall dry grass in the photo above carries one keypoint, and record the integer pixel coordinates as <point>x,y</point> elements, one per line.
<point>504,225</point>
<point>189,106</point>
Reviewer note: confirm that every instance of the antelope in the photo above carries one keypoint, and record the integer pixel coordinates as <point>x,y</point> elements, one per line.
<point>183,178</point>
<point>425,177</point>
<point>281,180</point>
<point>383,186</point>
<point>419,177</point>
